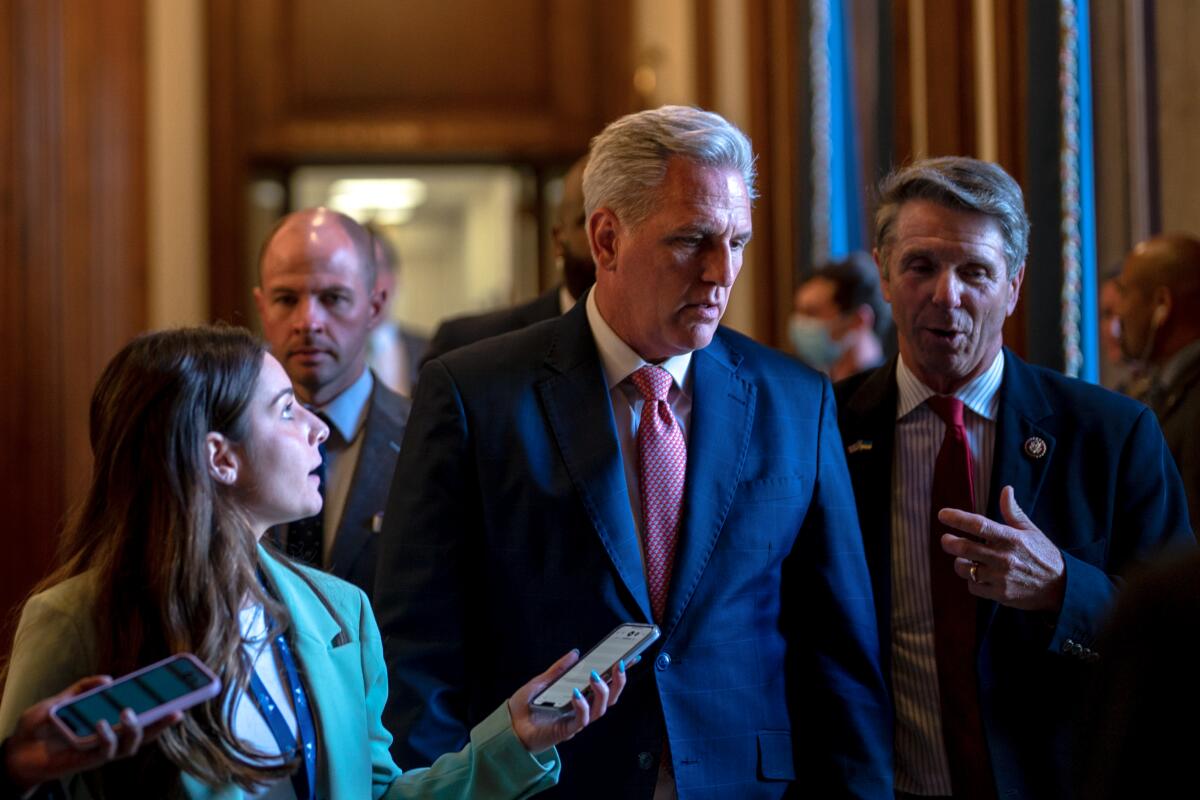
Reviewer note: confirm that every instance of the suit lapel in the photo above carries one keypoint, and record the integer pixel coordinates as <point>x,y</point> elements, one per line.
<point>369,485</point>
<point>721,421</point>
<point>1020,426</point>
<point>331,673</point>
<point>576,403</point>
<point>868,423</point>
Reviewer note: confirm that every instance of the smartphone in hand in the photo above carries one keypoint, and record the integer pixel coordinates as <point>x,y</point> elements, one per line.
<point>173,684</point>
<point>625,643</point>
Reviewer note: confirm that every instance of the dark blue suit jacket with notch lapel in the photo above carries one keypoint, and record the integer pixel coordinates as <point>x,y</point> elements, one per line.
<point>509,540</point>
<point>1106,492</point>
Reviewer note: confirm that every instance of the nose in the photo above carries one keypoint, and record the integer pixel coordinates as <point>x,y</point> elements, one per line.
<point>948,290</point>
<point>309,314</point>
<point>318,431</point>
<point>721,265</point>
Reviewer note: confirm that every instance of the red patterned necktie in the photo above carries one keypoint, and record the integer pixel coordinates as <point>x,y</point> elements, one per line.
<point>954,609</point>
<point>662,464</point>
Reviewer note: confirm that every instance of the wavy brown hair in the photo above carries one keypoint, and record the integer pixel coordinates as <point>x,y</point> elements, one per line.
<point>172,557</point>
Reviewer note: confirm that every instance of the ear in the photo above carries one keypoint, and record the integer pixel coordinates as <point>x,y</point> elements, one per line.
<point>260,301</point>
<point>1014,290</point>
<point>603,232</point>
<point>221,459</point>
<point>1162,306</point>
<point>378,302</point>
<point>884,286</point>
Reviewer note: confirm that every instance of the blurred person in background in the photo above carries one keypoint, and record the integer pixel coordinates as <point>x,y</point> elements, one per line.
<point>840,319</point>
<point>1160,327</point>
<point>394,351</point>
<point>574,259</point>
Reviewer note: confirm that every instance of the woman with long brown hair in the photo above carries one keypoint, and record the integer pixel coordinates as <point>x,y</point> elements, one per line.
<point>199,447</point>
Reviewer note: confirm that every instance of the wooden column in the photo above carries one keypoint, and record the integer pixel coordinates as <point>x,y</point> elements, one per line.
<point>72,233</point>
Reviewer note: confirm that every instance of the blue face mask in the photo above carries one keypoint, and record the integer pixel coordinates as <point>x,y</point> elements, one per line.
<point>812,342</point>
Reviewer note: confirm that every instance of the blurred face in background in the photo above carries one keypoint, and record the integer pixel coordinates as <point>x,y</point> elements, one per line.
<point>819,330</point>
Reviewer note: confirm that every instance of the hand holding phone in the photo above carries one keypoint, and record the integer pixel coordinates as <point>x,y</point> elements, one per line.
<point>623,644</point>
<point>539,731</point>
<point>151,693</point>
<point>37,751</point>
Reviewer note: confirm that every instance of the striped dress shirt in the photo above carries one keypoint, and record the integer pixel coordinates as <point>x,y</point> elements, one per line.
<point>922,767</point>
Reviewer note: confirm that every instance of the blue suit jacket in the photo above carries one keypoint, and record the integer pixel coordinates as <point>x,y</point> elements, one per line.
<point>509,540</point>
<point>1106,492</point>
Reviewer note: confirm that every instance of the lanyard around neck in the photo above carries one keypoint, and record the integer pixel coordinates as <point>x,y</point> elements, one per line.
<point>304,781</point>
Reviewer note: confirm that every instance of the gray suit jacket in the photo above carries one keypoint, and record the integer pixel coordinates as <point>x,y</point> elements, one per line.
<point>357,540</point>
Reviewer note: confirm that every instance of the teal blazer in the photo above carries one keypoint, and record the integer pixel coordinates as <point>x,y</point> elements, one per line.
<point>337,645</point>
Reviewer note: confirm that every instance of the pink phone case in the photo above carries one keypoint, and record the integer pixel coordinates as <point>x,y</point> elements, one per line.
<point>208,689</point>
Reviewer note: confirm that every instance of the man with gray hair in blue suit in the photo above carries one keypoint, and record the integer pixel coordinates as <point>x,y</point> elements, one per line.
<point>634,461</point>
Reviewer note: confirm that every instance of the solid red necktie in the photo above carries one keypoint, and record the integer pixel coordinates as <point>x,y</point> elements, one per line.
<point>662,465</point>
<point>954,610</point>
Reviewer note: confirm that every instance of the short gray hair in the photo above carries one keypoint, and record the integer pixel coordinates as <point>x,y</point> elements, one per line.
<point>628,159</point>
<point>957,182</point>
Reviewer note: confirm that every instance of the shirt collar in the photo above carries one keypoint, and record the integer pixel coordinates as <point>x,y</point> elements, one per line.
<point>619,359</point>
<point>347,412</point>
<point>981,394</point>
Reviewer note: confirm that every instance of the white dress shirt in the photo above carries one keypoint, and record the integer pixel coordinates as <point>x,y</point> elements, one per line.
<point>249,725</point>
<point>922,767</point>
<point>618,361</point>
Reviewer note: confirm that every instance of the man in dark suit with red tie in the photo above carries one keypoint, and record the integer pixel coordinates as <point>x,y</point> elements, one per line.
<point>633,461</point>
<point>1017,498</point>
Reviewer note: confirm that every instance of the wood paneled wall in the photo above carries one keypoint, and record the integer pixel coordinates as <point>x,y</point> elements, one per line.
<point>960,87</point>
<point>375,81</point>
<point>72,233</point>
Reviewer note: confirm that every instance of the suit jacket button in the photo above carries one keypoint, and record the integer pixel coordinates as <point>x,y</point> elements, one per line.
<point>662,662</point>
<point>645,760</point>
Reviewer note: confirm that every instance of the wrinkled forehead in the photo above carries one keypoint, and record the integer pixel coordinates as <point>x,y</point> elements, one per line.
<point>947,234</point>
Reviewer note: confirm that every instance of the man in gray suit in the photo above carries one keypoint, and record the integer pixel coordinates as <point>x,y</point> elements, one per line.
<point>1159,288</point>
<point>574,258</point>
<point>318,301</point>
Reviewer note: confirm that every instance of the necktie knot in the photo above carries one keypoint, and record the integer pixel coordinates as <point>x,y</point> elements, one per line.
<point>654,383</point>
<point>950,409</point>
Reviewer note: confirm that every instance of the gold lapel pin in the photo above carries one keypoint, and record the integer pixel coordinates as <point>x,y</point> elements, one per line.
<point>1035,447</point>
<point>861,445</point>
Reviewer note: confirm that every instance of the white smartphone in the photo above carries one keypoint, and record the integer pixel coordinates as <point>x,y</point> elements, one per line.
<point>173,684</point>
<point>625,643</point>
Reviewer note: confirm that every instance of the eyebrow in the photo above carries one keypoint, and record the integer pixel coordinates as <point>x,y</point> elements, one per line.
<point>281,393</point>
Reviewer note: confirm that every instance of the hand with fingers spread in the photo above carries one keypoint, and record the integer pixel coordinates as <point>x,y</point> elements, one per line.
<point>539,730</point>
<point>37,752</point>
<point>1013,563</point>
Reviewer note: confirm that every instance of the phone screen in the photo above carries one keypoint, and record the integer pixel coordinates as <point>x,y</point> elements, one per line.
<point>621,644</point>
<point>140,692</point>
